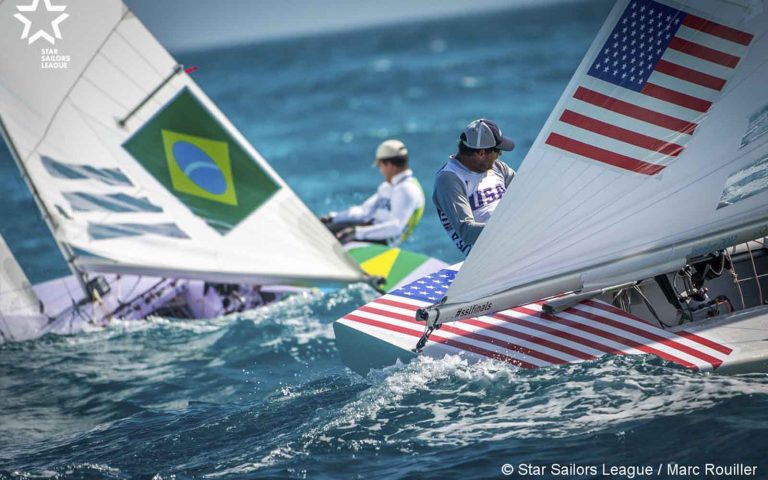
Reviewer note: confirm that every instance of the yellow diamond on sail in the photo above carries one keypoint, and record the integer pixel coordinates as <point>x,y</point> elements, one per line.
<point>381,265</point>
<point>200,167</point>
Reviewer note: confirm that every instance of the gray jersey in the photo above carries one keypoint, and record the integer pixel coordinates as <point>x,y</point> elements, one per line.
<point>465,199</point>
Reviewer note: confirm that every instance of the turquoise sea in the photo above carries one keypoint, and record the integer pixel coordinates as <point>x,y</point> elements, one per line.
<point>264,394</point>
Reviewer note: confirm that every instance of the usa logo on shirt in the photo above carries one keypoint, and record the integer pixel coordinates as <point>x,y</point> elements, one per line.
<point>486,196</point>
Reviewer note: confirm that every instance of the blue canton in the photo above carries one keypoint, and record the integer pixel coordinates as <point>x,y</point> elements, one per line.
<point>428,289</point>
<point>636,44</point>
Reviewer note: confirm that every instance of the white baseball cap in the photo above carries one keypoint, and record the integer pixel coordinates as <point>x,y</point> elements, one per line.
<point>390,149</point>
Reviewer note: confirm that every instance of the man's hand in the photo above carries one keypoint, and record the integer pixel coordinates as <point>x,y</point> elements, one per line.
<point>346,235</point>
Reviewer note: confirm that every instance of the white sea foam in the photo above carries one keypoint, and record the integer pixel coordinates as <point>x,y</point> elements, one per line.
<point>448,401</point>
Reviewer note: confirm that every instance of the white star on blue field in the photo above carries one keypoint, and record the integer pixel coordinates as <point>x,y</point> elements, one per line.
<point>430,288</point>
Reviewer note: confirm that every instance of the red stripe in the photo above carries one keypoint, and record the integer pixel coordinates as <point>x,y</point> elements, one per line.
<point>630,110</point>
<point>618,133</point>
<point>705,341</point>
<point>715,362</point>
<point>435,337</point>
<point>610,309</point>
<point>616,338</point>
<point>690,75</point>
<point>394,303</point>
<point>683,333</point>
<point>380,324</point>
<point>672,96</point>
<point>558,333</point>
<point>602,155</point>
<point>397,316</point>
<point>529,338</point>
<point>705,53</point>
<point>473,335</point>
<point>718,30</point>
<point>522,336</point>
<point>589,343</point>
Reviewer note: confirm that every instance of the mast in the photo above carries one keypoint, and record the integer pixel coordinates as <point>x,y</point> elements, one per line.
<point>66,250</point>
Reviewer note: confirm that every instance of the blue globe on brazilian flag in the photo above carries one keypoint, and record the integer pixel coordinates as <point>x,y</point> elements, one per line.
<point>193,156</point>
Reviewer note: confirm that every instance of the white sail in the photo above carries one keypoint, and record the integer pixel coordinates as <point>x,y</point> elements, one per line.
<point>176,190</point>
<point>16,294</point>
<point>21,312</point>
<point>657,152</point>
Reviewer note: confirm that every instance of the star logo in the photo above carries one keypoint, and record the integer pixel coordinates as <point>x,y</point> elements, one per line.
<point>41,33</point>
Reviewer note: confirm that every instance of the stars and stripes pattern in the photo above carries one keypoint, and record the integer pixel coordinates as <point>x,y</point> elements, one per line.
<point>649,87</point>
<point>526,336</point>
<point>429,289</point>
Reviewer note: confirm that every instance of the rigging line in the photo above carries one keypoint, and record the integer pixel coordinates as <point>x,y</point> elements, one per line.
<point>650,306</point>
<point>71,88</point>
<point>2,334</point>
<point>133,289</point>
<point>106,94</point>
<point>21,100</point>
<point>108,126</point>
<point>757,276</point>
<point>125,74</point>
<point>140,55</point>
<point>123,305</point>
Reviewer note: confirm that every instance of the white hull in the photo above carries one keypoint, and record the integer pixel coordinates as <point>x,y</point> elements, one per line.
<point>384,331</point>
<point>64,310</point>
<point>60,306</point>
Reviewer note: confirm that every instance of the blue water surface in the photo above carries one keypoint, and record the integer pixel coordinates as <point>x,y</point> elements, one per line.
<point>264,394</point>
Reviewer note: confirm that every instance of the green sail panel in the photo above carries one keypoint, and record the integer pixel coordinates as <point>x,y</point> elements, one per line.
<point>196,159</point>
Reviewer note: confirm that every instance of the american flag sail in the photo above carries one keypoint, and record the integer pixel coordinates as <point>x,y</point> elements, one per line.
<point>651,84</point>
<point>526,336</point>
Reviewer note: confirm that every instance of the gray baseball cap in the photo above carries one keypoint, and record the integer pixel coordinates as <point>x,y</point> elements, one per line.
<point>483,133</point>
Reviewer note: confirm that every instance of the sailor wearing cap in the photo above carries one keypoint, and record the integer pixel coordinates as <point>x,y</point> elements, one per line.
<point>469,186</point>
<point>389,215</point>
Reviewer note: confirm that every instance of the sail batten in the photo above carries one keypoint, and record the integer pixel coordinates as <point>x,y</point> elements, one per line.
<point>638,171</point>
<point>176,191</point>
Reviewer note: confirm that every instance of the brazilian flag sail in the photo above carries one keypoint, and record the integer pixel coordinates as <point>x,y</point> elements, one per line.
<point>193,156</point>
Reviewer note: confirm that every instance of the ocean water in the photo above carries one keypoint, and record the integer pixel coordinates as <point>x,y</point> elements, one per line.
<point>264,394</point>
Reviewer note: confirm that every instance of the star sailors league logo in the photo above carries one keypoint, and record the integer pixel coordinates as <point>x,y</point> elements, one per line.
<point>41,33</point>
<point>42,20</point>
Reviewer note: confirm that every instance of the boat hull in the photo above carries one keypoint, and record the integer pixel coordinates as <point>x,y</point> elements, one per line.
<point>385,331</point>
<point>65,310</point>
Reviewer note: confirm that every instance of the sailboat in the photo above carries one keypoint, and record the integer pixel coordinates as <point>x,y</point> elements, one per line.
<point>636,224</point>
<point>157,202</point>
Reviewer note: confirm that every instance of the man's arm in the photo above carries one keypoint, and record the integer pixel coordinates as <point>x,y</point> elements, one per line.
<point>451,198</point>
<point>357,213</point>
<point>507,172</point>
<point>404,202</point>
